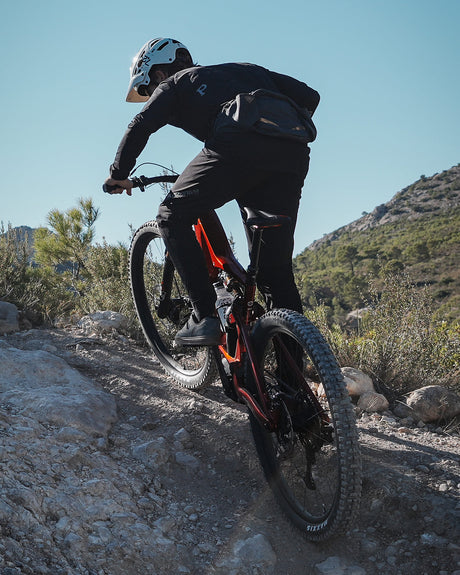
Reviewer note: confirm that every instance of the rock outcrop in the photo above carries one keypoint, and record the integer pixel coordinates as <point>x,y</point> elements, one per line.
<point>9,318</point>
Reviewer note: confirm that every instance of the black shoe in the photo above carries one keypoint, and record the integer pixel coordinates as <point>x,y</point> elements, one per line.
<point>204,332</point>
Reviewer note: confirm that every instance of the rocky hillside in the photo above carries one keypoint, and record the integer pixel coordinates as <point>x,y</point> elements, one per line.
<point>433,196</point>
<point>22,234</point>
<point>109,468</point>
<point>418,231</point>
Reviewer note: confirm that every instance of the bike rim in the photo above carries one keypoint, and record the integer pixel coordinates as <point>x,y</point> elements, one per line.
<point>148,259</point>
<point>306,466</point>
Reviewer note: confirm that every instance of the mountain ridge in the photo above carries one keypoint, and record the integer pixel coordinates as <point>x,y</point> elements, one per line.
<point>417,231</point>
<point>434,195</point>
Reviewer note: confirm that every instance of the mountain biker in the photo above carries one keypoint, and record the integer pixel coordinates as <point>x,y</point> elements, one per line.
<point>255,151</point>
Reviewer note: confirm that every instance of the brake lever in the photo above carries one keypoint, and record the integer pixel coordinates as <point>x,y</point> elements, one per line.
<point>138,183</point>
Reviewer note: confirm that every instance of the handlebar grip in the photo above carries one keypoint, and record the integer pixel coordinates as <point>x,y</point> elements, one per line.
<point>137,183</point>
<point>142,181</point>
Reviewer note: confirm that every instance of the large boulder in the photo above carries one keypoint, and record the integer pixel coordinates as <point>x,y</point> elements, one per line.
<point>434,403</point>
<point>372,402</point>
<point>357,382</point>
<point>9,318</point>
<point>41,385</point>
<point>354,317</point>
<point>103,322</point>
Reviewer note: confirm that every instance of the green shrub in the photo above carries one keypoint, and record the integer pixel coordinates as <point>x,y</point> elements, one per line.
<point>14,265</point>
<point>47,294</point>
<point>106,285</point>
<point>38,291</point>
<point>398,344</point>
<point>343,346</point>
<point>65,247</point>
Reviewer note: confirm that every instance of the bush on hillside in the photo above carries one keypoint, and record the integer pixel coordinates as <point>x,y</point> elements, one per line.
<point>66,245</point>
<point>14,266</point>
<point>106,284</point>
<point>334,271</point>
<point>398,344</point>
<point>35,290</point>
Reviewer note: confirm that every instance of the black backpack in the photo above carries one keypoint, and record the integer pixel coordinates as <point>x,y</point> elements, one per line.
<point>269,113</point>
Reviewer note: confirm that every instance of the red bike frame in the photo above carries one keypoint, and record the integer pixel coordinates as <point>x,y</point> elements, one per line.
<point>219,257</point>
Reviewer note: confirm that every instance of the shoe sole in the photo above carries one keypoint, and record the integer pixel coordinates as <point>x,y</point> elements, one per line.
<point>196,341</point>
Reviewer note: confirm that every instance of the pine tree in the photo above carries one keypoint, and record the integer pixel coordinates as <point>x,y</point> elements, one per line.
<point>67,244</point>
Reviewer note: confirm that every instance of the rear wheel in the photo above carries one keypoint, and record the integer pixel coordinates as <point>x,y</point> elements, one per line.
<point>162,307</point>
<point>312,461</point>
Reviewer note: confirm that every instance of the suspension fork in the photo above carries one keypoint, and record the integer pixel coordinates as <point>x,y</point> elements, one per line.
<point>164,304</point>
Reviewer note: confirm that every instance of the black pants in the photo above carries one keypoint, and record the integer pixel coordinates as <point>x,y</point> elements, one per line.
<point>210,181</point>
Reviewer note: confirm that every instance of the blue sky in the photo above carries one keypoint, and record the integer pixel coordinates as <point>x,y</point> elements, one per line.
<point>387,72</point>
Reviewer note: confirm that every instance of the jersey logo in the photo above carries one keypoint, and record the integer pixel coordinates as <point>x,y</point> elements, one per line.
<point>202,89</point>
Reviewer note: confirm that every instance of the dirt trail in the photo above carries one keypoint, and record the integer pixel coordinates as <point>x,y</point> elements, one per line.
<point>215,495</point>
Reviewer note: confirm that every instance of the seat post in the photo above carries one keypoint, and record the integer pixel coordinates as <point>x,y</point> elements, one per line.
<point>257,221</point>
<point>251,274</point>
<point>254,255</point>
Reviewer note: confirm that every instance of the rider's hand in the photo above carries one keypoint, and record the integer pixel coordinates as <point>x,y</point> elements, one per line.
<point>121,186</point>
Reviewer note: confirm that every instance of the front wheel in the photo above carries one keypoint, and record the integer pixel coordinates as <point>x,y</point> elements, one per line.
<point>312,459</point>
<point>162,306</point>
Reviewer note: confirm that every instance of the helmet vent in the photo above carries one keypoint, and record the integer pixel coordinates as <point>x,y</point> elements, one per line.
<point>162,46</point>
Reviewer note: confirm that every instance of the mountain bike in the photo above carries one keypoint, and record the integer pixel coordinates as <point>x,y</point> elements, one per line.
<point>276,362</point>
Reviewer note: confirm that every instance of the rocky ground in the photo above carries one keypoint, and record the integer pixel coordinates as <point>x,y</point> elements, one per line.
<point>122,472</point>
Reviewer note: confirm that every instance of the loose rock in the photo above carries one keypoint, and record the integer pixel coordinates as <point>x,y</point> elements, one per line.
<point>41,385</point>
<point>373,402</point>
<point>434,403</point>
<point>252,555</point>
<point>103,322</point>
<point>9,318</point>
<point>357,382</point>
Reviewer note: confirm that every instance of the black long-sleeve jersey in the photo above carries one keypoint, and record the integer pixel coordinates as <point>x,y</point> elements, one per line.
<point>191,100</point>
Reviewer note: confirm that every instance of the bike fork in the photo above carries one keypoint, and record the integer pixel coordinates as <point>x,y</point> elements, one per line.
<point>164,304</point>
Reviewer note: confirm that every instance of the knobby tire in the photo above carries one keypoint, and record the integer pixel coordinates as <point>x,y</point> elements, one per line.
<point>320,497</point>
<point>192,367</point>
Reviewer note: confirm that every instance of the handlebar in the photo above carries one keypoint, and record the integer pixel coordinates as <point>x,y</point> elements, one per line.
<point>142,181</point>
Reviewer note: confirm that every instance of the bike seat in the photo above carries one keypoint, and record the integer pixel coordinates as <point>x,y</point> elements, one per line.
<point>261,220</point>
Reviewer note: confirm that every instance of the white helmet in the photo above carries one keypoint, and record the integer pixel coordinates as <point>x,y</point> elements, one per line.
<point>154,52</point>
